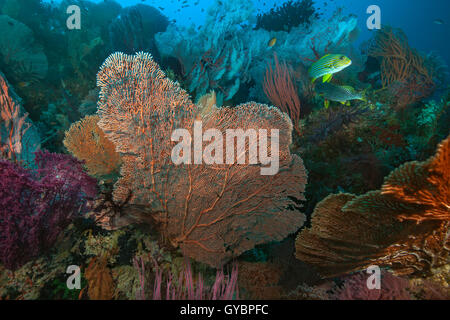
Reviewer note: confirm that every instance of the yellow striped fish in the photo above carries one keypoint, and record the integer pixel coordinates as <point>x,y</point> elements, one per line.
<point>342,94</point>
<point>327,65</point>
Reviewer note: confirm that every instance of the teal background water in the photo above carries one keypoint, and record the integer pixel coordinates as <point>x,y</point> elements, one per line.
<point>415,17</point>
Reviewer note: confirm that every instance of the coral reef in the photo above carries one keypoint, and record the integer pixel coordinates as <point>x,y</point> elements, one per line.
<point>187,287</point>
<point>402,68</point>
<point>147,211</point>
<point>259,281</point>
<point>100,281</point>
<point>282,92</point>
<point>289,15</point>
<point>19,138</point>
<point>215,212</point>
<point>212,60</point>
<point>404,225</point>
<point>37,206</point>
<point>88,143</point>
<point>134,29</point>
<point>21,57</point>
<point>355,288</point>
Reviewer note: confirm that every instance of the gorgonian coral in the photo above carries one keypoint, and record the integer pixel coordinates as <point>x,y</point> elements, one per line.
<point>213,212</point>
<point>18,137</point>
<point>100,281</point>
<point>403,69</point>
<point>404,226</point>
<point>282,91</point>
<point>88,143</point>
<point>36,207</point>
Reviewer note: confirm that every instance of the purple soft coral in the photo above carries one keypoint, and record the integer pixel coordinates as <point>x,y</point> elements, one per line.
<point>35,207</point>
<point>355,288</point>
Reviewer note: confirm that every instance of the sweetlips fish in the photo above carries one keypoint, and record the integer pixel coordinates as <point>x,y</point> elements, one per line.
<point>342,94</point>
<point>327,65</point>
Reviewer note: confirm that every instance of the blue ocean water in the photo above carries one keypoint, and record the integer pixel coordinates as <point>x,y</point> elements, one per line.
<point>415,17</point>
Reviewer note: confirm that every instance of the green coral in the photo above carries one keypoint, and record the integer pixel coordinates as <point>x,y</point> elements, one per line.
<point>103,245</point>
<point>127,281</point>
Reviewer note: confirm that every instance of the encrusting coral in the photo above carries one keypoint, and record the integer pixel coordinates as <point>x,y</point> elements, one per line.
<point>87,142</point>
<point>404,226</point>
<point>212,212</point>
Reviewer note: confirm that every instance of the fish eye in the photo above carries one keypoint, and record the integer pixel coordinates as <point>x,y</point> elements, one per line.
<point>342,57</point>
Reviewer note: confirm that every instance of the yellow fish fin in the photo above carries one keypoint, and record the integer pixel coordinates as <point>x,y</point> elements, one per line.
<point>327,77</point>
<point>326,103</point>
<point>347,103</point>
<point>314,79</point>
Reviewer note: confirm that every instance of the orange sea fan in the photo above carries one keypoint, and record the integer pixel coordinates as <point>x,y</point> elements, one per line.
<point>212,212</point>
<point>101,285</point>
<point>426,184</point>
<point>403,69</point>
<point>405,225</point>
<point>87,142</point>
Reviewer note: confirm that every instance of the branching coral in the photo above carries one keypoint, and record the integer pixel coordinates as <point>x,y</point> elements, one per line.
<point>186,286</point>
<point>405,225</point>
<point>213,212</point>
<point>227,52</point>
<point>402,68</point>
<point>282,92</point>
<point>87,142</point>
